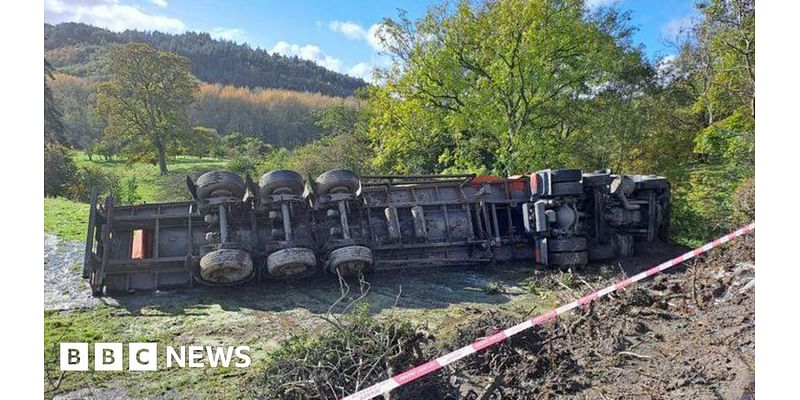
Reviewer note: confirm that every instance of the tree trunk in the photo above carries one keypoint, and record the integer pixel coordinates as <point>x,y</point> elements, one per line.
<point>511,134</point>
<point>162,160</point>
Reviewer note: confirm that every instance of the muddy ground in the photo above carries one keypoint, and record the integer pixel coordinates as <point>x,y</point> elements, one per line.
<point>666,339</point>
<point>688,334</point>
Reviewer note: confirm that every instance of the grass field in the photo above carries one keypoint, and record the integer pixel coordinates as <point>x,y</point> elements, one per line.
<point>153,187</point>
<point>117,324</point>
<point>65,218</point>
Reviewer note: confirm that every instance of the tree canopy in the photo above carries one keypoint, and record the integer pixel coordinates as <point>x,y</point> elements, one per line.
<point>145,102</point>
<point>495,86</point>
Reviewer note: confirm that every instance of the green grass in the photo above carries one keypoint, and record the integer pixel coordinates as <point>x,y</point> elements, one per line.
<point>198,325</point>
<point>154,187</point>
<point>65,218</point>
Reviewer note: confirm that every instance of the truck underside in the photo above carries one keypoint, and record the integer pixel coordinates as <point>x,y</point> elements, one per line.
<point>236,230</point>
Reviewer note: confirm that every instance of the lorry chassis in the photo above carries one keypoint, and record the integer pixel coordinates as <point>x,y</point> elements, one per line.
<point>235,230</point>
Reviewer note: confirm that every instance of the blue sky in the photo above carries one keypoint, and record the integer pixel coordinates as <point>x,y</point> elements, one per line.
<point>336,34</point>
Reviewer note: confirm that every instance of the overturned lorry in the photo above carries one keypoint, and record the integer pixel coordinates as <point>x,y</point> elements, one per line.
<point>235,230</point>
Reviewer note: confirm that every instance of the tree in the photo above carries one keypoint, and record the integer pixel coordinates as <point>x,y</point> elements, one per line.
<point>53,127</point>
<point>75,98</point>
<point>200,143</point>
<point>716,66</point>
<point>145,102</point>
<point>494,86</point>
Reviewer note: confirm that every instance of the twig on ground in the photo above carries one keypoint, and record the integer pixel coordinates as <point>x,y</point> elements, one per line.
<point>635,355</point>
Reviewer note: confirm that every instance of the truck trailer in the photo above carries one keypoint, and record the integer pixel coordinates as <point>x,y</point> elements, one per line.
<point>235,230</point>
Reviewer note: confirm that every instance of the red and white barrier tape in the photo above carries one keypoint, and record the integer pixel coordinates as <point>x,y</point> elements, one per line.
<point>434,365</point>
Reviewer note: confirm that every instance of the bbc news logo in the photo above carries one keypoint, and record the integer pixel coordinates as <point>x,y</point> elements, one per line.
<point>144,356</point>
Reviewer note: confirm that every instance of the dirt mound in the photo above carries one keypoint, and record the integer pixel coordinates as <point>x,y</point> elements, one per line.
<point>688,334</point>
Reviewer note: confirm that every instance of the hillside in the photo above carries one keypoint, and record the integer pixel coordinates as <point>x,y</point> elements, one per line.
<point>282,118</point>
<point>79,49</point>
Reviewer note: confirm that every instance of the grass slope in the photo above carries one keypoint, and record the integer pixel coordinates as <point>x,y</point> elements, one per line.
<point>152,186</point>
<point>173,327</point>
<point>65,218</point>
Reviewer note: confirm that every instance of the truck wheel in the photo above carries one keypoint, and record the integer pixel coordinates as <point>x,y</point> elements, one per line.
<point>567,189</point>
<point>350,260</point>
<point>292,263</point>
<point>338,181</point>
<point>570,259</point>
<point>571,244</point>
<point>565,175</point>
<point>219,184</point>
<point>281,182</point>
<point>226,266</point>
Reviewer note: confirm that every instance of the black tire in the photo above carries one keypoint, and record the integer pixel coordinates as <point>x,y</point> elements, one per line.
<point>281,181</point>
<point>574,259</point>
<point>226,266</point>
<point>567,189</point>
<point>338,181</point>
<point>220,184</point>
<point>350,261</point>
<point>565,175</point>
<point>566,245</point>
<point>292,263</point>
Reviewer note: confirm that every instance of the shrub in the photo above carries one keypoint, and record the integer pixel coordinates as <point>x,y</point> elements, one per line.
<point>242,164</point>
<point>355,351</point>
<point>90,177</point>
<point>129,191</point>
<point>744,202</point>
<point>59,169</point>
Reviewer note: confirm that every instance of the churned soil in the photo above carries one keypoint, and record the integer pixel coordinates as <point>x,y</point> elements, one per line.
<point>689,333</point>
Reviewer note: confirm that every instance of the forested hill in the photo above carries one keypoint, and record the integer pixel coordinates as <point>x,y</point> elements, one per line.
<point>79,49</point>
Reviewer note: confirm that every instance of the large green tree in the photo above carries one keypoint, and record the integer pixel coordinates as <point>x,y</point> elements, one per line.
<point>145,102</point>
<point>497,86</point>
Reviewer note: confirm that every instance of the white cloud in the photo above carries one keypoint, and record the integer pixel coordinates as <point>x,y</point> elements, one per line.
<point>667,69</point>
<point>373,37</point>
<point>676,27</point>
<point>233,34</point>
<point>349,29</point>
<point>109,14</point>
<point>160,3</point>
<point>308,52</point>
<point>362,70</point>
<point>354,31</point>
<point>595,4</point>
